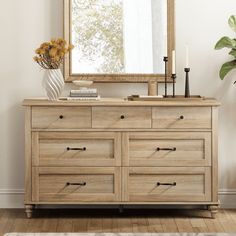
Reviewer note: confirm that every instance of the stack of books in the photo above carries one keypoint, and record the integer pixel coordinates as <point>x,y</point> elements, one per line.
<point>84,94</point>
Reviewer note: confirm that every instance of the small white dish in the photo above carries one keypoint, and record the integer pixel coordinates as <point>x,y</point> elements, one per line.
<point>83,83</point>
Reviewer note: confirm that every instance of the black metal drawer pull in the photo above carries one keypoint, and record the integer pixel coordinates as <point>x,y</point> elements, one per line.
<point>122,117</point>
<point>166,149</point>
<point>76,149</point>
<point>168,184</point>
<point>76,184</point>
<point>61,117</point>
<point>181,117</point>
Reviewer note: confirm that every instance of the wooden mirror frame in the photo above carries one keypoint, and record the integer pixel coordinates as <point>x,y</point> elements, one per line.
<point>125,78</point>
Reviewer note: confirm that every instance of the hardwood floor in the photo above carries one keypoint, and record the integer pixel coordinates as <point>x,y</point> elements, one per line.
<point>109,220</point>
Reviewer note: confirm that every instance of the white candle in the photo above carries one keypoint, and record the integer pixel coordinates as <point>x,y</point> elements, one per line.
<point>173,62</point>
<point>187,57</point>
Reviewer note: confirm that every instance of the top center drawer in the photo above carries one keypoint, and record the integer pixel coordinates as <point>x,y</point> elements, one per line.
<point>121,117</point>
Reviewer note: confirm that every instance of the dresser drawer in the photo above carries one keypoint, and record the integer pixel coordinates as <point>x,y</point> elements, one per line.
<point>76,184</point>
<point>76,149</point>
<point>61,117</point>
<point>121,117</point>
<point>167,184</point>
<point>182,117</point>
<point>167,149</point>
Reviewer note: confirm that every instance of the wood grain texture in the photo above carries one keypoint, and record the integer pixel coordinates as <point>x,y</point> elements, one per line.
<point>61,184</point>
<point>158,221</point>
<point>61,117</point>
<point>152,88</point>
<point>122,102</point>
<point>121,159</point>
<point>29,210</point>
<point>67,30</point>
<point>191,184</point>
<point>188,149</point>
<point>215,154</point>
<point>123,117</point>
<point>35,149</point>
<point>125,149</point>
<point>98,149</point>
<point>28,158</point>
<point>170,31</point>
<point>182,118</point>
<point>138,203</point>
<point>122,77</point>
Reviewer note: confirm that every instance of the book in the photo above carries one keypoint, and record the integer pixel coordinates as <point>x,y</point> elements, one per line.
<point>84,95</point>
<point>84,91</point>
<point>83,98</point>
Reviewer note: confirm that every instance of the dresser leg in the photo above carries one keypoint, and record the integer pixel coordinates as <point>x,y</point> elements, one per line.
<point>213,209</point>
<point>29,210</point>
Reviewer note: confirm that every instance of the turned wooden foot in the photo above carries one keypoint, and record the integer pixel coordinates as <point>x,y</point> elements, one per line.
<point>213,209</point>
<point>29,210</point>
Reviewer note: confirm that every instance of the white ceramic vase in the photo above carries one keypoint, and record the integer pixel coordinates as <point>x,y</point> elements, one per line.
<point>53,83</point>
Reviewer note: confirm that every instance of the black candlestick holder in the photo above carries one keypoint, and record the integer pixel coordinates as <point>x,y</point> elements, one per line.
<point>187,89</point>
<point>173,77</point>
<point>165,59</point>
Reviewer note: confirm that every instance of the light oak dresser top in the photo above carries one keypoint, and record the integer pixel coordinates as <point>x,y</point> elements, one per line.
<point>122,102</point>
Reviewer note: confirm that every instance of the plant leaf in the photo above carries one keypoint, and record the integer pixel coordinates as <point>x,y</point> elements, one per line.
<point>232,22</point>
<point>225,42</point>
<point>226,68</point>
<point>233,53</point>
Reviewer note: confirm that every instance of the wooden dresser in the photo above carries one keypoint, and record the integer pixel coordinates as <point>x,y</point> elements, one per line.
<point>115,151</point>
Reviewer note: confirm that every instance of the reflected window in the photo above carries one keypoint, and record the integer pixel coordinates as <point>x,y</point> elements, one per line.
<point>119,36</point>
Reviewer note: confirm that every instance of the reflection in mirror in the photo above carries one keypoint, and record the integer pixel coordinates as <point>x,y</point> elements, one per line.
<point>118,36</point>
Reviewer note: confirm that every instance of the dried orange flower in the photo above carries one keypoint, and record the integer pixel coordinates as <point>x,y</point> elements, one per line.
<point>50,55</point>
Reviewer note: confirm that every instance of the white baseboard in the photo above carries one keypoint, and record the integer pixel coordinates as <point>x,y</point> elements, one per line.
<point>227,198</point>
<point>14,198</point>
<point>11,198</point>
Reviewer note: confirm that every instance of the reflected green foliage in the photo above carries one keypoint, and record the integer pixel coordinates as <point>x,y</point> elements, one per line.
<point>98,33</point>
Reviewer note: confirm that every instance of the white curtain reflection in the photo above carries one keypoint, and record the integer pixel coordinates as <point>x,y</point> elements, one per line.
<point>134,41</point>
<point>138,43</point>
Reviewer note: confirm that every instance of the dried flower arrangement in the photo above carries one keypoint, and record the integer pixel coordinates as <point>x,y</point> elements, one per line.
<point>50,55</point>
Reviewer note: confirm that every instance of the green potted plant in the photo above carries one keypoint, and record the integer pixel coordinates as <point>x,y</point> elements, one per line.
<point>226,42</point>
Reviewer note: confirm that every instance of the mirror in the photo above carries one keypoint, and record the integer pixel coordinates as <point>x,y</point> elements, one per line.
<point>118,40</point>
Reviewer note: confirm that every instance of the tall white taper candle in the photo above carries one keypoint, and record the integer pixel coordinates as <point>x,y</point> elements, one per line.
<point>173,62</point>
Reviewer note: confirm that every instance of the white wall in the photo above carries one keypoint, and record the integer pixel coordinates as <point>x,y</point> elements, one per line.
<point>25,24</point>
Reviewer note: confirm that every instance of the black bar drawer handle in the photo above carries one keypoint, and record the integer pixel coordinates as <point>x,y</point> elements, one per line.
<point>76,149</point>
<point>167,149</point>
<point>76,184</point>
<point>122,117</point>
<point>168,184</point>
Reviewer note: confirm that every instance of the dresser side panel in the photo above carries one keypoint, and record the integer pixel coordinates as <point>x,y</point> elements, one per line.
<point>28,153</point>
<point>214,154</point>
